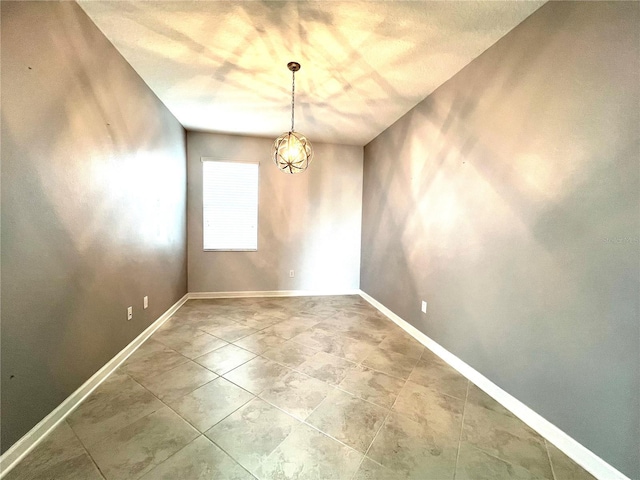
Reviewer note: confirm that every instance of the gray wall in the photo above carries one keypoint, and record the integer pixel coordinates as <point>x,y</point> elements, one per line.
<point>93,207</point>
<point>309,222</point>
<point>509,200</point>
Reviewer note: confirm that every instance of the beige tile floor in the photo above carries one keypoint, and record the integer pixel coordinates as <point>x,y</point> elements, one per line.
<point>318,388</point>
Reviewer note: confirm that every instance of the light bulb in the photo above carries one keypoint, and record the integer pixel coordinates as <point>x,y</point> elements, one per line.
<point>292,152</point>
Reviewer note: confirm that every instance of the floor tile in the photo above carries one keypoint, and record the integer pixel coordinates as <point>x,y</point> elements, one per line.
<point>474,464</point>
<point>194,345</point>
<point>382,326</point>
<point>402,343</point>
<point>308,454</point>
<point>297,394</point>
<point>207,322</point>
<point>257,374</point>
<point>326,367</point>
<point>440,412</point>
<point>175,333</point>
<point>391,363</point>
<point>175,383</point>
<point>292,327</point>
<point>370,470</point>
<point>349,348</point>
<point>375,387</point>
<point>349,419</point>
<point>76,468</point>
<point>252,432</point>
<point>477,397</point>
<point>316,339</point>
<point>441,377</point>
<point>289,353</point>
<point>117,402</point>
<point>225,359</point>
<point>333,325</point>
<point>360,383</point>
<point>152,364</point>
<point>355,328</point>
<point>259,342</point>
<point>60,455</point>
<point>207,405</point>
<point>200,460</point>
<point>148,347</point>
<point>261,320</point>
<point>361,333</point>
<point>137,448</point>
<point>230,333</point>
<point>507,438</point>
<point>271,307</point>
<point>318,307</point>
<point>564,468</point>
<point>413,451</point>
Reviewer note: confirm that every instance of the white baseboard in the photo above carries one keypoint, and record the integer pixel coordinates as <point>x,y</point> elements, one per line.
<point>271,293</point>
<point>32,438</point>
<point>573,449</point>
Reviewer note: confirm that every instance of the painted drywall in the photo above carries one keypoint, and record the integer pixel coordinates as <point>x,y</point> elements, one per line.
<point>509,199</point>
<point>93,207</point>
<point>309,222</point>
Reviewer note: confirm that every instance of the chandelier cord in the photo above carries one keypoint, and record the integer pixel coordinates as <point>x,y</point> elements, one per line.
<point>293,91</point>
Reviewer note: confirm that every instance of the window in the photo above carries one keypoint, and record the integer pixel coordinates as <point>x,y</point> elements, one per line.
<point>229,205</point>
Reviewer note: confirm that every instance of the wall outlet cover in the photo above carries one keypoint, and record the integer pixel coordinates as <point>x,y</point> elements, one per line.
<point>424,307</point>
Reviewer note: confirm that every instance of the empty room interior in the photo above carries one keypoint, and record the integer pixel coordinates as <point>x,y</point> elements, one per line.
<point>346,240</point>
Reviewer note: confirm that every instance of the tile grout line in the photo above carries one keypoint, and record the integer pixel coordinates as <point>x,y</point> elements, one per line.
<point>187,421</point>
<point>283,440</point>
<point>116,431</point>
<point>200,433</point>
<point>168,406</point>
<point>317,406</point>
<point>85,449</point>
<point>337,386</point>
<point>121,428</point>
<point>386,417</point>
<point>173,454</point>
<point>256,332</point>
<point>232,369</point>
<point>546,447</point>
<point>359,364</point>
<point>493,455</point>
<point>464,409</point>
<point>189,392</point>
<point>356,364</point>
<point>304,422</point>
<point>227,453</point>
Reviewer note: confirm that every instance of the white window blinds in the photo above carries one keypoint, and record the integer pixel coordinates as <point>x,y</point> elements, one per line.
<point>230,205</point>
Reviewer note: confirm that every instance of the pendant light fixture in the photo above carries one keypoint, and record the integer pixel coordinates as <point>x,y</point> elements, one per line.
<point>292,152</point>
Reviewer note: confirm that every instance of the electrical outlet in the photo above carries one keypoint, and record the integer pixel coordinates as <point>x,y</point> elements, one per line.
<point>129,313</point>
<point>424,307</point>
<point>145,302</point>
<point>292,273</point>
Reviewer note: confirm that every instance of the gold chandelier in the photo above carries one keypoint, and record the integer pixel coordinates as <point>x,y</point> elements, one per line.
<point>292,152</point>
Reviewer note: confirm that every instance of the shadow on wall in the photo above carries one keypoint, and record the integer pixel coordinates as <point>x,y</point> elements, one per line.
<point>496,199</point>
<point>93,208</point>
<point>435,146</point>
<point>309,223</point>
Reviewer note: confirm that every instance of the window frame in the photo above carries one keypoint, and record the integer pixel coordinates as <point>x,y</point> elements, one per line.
<point>204,160</point>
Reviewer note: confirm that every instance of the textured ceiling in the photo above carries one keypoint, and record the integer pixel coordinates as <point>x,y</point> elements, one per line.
<point>221,66</point>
